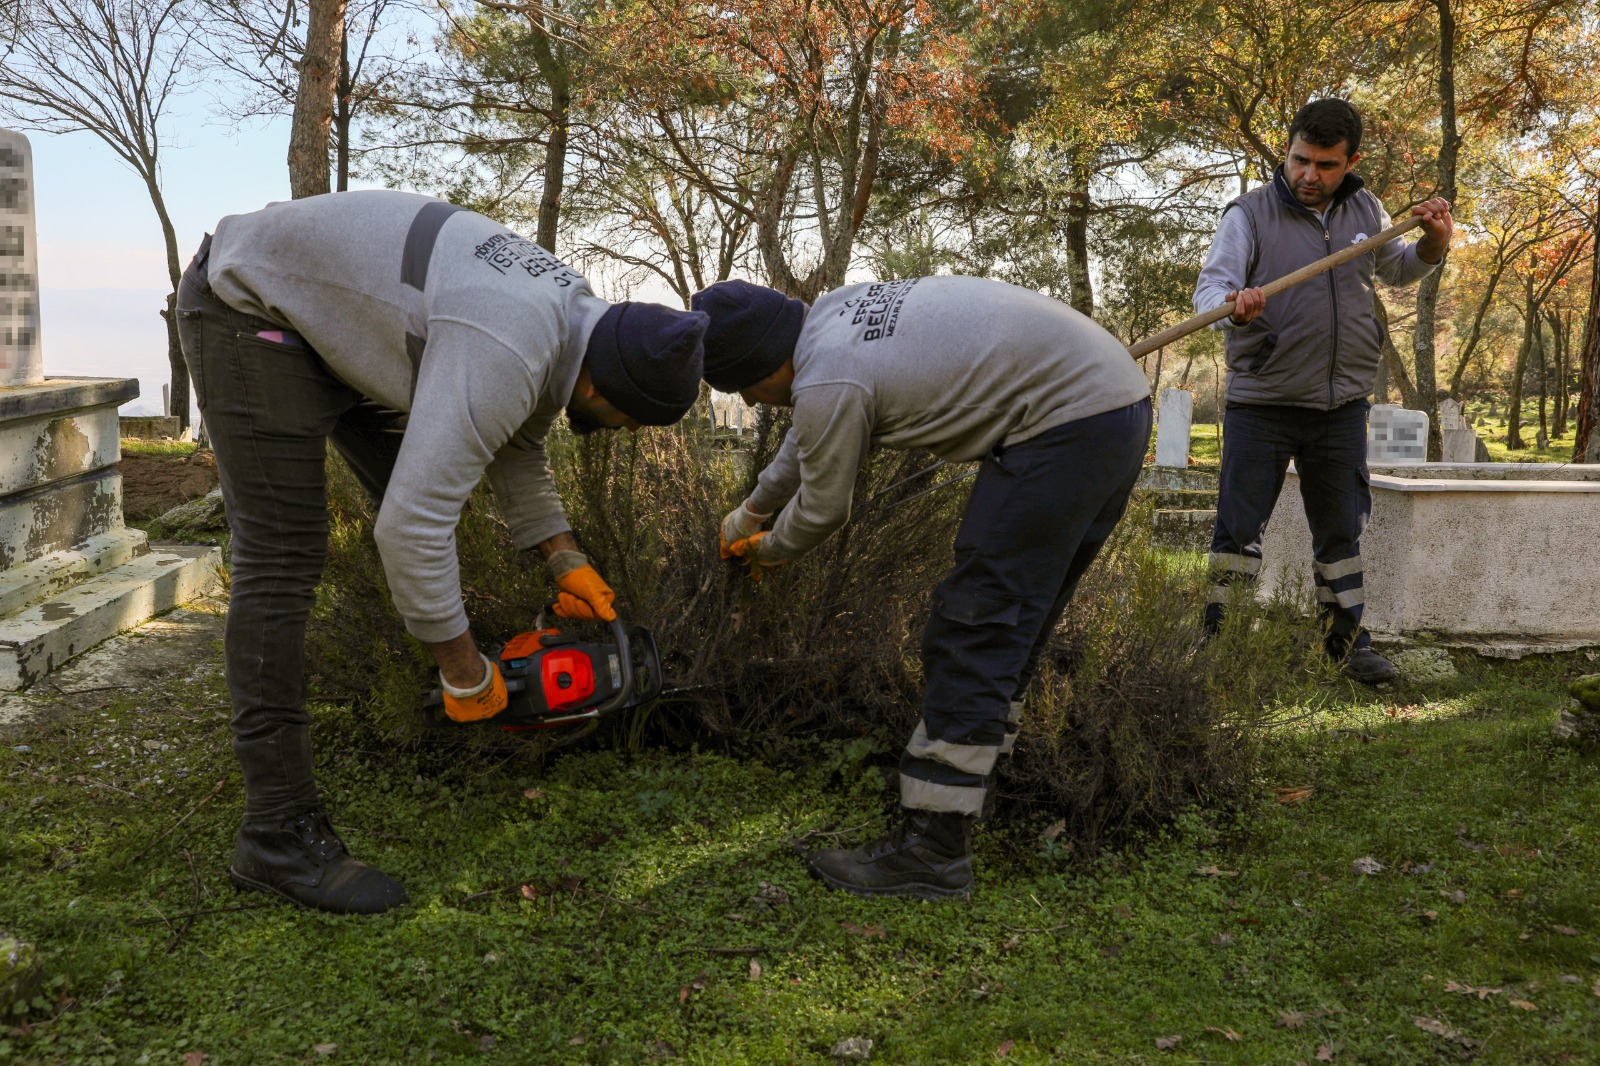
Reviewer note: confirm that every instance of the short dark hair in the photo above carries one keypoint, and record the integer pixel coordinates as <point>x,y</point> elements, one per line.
<point>1325,123</point>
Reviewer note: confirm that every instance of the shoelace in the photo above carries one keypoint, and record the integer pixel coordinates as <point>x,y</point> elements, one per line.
<point>318,835</point>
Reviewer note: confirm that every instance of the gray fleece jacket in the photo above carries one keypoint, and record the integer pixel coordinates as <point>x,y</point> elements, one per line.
<point>954,365</point>
<point>438,311</point>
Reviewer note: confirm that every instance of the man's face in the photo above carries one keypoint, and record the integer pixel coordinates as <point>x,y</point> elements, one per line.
<point>1314,173</point>
<point>585,416</point>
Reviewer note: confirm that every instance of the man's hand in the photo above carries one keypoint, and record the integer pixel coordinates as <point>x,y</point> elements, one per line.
<point>584,594</point>
<point>474,703</point>
<point>749,549</point>
<point>1437,228</point>
<point>739,524</point>
<point>1247,305</point>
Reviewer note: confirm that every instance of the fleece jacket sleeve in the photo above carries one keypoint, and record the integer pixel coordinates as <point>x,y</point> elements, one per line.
<point>473,395</point>
<point>831,435</point>
<point>1227,265</point>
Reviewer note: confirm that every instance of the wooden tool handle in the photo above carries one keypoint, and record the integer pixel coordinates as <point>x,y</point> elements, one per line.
<point>1310,270</point>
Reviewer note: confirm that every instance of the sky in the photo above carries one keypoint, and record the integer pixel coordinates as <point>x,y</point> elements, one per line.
<point>102,264</point>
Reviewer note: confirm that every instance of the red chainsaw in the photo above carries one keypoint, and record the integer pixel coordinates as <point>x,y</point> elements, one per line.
<point>553,677</point>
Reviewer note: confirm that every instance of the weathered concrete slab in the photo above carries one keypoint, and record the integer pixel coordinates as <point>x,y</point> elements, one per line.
<point>44,635</point>
<point>1183,529</point>
<point>150,427</point>
<point>59,516</point>
<point>21,358</point>
<point>53,573</point>
<point>1478,554</point>
<point>1171,477</point>
<point>35,451</point>
<point>58,395</point>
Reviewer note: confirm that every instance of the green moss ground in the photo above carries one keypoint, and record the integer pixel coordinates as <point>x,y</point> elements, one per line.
<point>645,932</point>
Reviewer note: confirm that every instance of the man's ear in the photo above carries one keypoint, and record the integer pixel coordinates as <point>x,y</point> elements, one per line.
<point>1353,157</point>
<point>583,388</point>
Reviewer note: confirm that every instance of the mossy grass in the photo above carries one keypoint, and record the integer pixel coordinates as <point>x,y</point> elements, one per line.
<point>137,446</point>
<point>600,906</point>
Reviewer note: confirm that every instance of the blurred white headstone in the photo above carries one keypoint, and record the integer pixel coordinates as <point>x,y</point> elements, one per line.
<point>1172,430</point>
<point>1450,415</point>
<point>1396,435</point>
<point>21,361</point>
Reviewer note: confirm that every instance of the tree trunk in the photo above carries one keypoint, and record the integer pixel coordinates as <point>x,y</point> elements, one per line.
<point>1586,445</point>
<point>1561,330</point>
<point>1530,318</point>
<point>314,98</point>
<point>177,368</point>
<point>555,168</point>
<point>1391,356</point>
<point>1077,239</point>
<point>342,115</point>
<point>1544,374</point>
<point>1422,338</point>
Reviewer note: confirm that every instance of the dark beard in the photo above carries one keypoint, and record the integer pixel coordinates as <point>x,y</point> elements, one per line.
<point>582,424</point>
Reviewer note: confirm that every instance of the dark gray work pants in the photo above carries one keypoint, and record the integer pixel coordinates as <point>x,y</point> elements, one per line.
<point>270,409</point>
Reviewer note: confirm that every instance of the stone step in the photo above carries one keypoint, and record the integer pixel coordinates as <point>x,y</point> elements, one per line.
<point>51,574</point>
<point>1183,529</point>
<point>59,516</point>
<point>1178,477</point>
<point>44,635</point>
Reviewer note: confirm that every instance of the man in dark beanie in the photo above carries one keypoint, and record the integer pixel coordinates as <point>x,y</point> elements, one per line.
<point>968,369</point>
<point>430,346</point>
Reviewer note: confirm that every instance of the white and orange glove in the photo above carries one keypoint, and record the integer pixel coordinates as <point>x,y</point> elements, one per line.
<point>483,700</point>
<point>739,524</point>
<point>584,593</point>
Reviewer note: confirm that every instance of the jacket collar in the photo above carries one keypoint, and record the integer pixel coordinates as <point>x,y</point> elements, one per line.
<point>1351,185</point>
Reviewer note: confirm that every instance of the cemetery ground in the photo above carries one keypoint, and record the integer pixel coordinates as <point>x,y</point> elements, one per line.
<point>1412,882</point>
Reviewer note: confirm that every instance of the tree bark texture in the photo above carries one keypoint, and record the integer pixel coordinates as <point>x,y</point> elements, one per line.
<point>1391,356</point>
<point>1422,337</point>
<point>315,97</point>
<point>1586,445</point>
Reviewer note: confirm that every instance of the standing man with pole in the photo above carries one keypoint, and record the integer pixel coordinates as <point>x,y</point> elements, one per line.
<point>1301,369</point>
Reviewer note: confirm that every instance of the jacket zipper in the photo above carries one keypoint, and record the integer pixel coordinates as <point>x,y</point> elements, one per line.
<point>1333,305</point>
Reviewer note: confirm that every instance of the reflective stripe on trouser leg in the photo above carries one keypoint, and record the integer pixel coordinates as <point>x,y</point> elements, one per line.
<point>1228,569</point>
<point>1013,724</point>
<point>1341,599</point>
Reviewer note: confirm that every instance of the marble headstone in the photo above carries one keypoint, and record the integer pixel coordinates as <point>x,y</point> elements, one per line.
<point>1396,435</point>
<point>1172,430</point>
<point>21,361</point>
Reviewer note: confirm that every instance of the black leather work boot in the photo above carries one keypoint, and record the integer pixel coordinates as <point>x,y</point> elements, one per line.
<point>928,854</point>
<point>1369,668</point>
<point>301,859</point>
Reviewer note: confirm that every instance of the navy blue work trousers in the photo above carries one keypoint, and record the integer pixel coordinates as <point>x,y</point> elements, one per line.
<point>1038,515</point>
<point>1329,449</point>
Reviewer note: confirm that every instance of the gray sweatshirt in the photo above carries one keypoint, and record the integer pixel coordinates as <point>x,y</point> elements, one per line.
<point>440,312</point>
<point>954,365</point>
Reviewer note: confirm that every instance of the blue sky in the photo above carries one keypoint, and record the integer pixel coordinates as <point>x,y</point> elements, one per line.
<point>102,266</point>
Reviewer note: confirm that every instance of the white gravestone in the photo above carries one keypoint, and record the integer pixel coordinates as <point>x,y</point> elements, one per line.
<point>20,360</point>
<point>1459,440</point>
<point>1172,430</point>
<point>71,571</point>
<point>1396,435</point>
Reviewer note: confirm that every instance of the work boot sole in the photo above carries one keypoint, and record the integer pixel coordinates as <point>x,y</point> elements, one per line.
<point>245,884</point>
<point>916,890</point>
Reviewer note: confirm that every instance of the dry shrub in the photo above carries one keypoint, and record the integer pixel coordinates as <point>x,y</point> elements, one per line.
<point>1131,718</point>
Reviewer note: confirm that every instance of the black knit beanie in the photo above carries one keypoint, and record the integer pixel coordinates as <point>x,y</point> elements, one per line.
<point>753,330</point>
<point>645,360</point>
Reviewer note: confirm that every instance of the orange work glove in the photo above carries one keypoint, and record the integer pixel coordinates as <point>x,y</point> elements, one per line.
<point>749,549</point>
<point>584,593</point>
<point>738,524</point>
<point>484,700</point>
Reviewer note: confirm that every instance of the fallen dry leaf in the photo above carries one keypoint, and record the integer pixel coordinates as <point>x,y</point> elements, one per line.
<point>1292,795</point>
<point>1213,871</point>
<point>1517,851</point>
<point>1430,916</point>
<point>1324,1053</point>
<point>1231,1036</point>
<point>1054,829</point>
<point>1513,893</point>
<point>324,1049</point>
<point>1521,1004</point>
<point>194,1058</point>
<point>1440,1029</point>
<point>1167,1042</point>
<point>1454,895</point>
<point>1291,1019</point>
<point>755,969</point>
<point>530,891</point>
<point>533,794</point>
<point>1469,990</point>
<point>683,994</point>
<point>1565,930</point>
<point>1367,865</point>
<point>1004,1049</point>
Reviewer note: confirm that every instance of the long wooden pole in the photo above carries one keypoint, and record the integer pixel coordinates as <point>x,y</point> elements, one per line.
<point>1305,273</point>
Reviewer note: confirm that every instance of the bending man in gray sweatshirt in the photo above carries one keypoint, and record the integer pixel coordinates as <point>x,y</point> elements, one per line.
<point>430,346</point>
<point>970,370</point>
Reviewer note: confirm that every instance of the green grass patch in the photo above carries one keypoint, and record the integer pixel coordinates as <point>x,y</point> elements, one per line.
<point>597,906</point>
<point>134,446</point>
